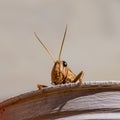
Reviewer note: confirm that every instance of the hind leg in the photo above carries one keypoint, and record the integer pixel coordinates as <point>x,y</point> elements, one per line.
<point>79,77</point>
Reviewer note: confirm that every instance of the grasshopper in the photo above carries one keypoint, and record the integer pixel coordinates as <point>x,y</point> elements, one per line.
<point>61,73</point>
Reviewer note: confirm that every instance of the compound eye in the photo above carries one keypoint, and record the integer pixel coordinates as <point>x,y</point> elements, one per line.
<point>64,63</point>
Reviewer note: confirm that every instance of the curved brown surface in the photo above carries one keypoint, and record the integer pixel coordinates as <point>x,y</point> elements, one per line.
<point>65,102</point>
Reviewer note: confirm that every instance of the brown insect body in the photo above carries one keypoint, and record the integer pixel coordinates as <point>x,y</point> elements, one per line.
<point>61,73</point>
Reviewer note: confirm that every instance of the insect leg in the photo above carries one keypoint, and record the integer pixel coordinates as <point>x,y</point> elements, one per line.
<point>79,77</point>
<point>41,86</point>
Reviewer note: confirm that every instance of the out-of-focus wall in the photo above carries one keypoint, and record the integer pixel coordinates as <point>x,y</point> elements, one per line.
<point>92,42</point>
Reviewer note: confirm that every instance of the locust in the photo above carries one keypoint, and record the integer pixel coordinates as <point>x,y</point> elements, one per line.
<point>61,73</point>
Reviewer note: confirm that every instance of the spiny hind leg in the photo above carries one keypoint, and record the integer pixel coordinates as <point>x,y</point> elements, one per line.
<point>79,77</point>
<point>39,86</point>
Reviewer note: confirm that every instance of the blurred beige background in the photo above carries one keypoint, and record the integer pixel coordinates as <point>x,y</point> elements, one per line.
<point>92,42</point>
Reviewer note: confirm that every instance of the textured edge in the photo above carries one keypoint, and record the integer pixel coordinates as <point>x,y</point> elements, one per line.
<point>64,87</point>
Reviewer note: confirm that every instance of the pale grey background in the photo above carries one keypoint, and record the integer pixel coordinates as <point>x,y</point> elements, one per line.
<point>92,42</point>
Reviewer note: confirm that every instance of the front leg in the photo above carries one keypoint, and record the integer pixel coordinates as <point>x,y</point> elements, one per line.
<point>79,77</point>
<point>39,86</point>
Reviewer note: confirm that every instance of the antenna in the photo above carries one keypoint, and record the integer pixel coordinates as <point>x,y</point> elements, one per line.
<point>48,51</point>
<point>62,42</point>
